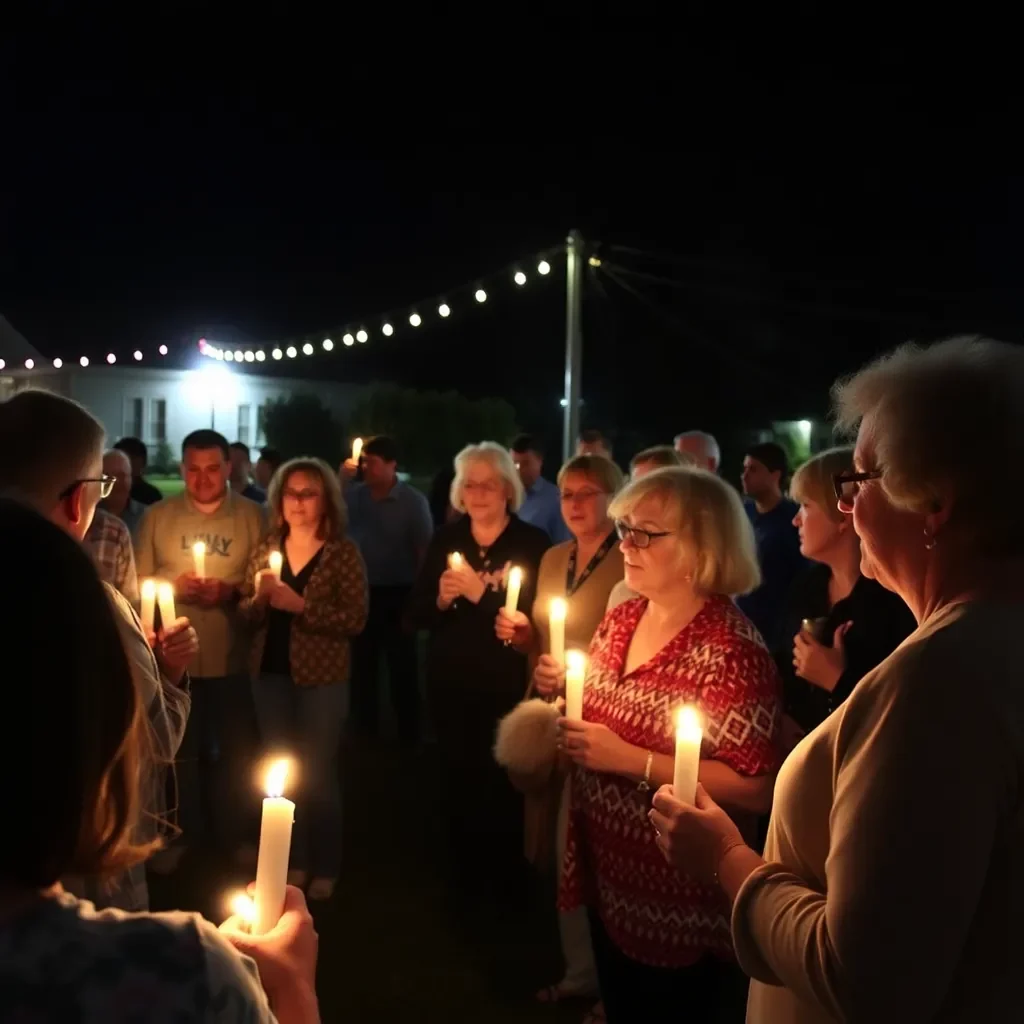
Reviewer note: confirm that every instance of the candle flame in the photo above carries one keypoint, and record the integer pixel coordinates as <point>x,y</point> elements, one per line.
<point>515,575</point>
<point>149,590</point>
<point>165,592</point>
<point>688,724</point>
<point>242,906</point>
<point>455,560</point>
<point>276,560</point>
<point>575,661</point>
<point>276,775</point>
<point>357,449</point>
<point>199,548</point>
<point>558,609</point>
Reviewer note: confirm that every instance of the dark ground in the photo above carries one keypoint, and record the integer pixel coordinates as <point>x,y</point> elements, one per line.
<point>391,946</point>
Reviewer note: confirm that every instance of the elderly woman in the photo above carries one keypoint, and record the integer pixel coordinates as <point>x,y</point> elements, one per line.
<point>893,881</point>
<point>473,678</point>
<point>581,572</point>
<point>838,623</point>
<point>661,938</point>
<point>301,651</point>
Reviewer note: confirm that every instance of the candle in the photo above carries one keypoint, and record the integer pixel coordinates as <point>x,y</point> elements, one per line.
<point>148,607</point>
<point>199,557</point>
<point>242,907</point>
<point>515,583</point>
<point>688,737</point>
<point>575,671</point>
<point>275,847</point>
<point>556,622</point>
<point>455,560</point>
<point>276,560</point>
<point>357,449</point>
<point>165,599</point>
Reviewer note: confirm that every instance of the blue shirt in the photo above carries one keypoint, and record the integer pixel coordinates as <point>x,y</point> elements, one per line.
<point>778,551</point>
<point>392,533</point>
<point>543,508</point>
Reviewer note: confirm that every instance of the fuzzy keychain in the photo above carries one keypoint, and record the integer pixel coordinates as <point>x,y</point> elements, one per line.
<point>526,743</point>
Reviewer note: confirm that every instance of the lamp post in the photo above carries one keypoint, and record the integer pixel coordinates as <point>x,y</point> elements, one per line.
<point>573,342</point>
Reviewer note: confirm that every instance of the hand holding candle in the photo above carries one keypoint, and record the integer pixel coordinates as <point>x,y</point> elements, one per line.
<point>556,621</point>
<point>688,739</point>
<point>575,673</point>
<point>275,849</point>
<point>165,600</point>
<point>147,609</point>
<point>276,561</point>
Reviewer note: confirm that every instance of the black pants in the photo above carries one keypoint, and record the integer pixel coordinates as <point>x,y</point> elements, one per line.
<point>385,637</point>
<point>711,991</point>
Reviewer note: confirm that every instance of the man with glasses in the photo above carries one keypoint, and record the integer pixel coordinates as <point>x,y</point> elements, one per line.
<point>57,466</point>
<point>111,545</point>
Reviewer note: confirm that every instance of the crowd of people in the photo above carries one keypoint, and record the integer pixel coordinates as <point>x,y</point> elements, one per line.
<point>853,850</point>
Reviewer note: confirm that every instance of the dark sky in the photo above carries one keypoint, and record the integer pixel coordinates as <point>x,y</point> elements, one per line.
<point>767,242</point>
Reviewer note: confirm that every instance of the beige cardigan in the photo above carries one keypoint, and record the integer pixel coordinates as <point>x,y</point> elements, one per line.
<point>894,888</point>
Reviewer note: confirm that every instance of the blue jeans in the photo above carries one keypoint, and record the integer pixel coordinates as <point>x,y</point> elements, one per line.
<point>307,721</point>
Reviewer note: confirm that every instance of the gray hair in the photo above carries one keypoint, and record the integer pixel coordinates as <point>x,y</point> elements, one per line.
<point>498,458</point>
<point>945,422</point>
<point>707,441</point>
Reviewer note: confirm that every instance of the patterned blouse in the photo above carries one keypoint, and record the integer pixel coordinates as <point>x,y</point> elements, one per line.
<point>654,914</point>
<point>336,605</point>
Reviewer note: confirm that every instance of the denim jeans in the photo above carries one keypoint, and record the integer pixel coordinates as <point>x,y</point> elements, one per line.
<point>306,721</point>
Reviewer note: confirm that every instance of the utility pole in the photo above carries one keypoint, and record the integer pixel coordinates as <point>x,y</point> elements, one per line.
<point>573,342</point>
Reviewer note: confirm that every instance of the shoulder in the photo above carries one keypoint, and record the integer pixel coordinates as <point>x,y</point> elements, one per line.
<point>726,632</point>
<point>233,980</point>
<point>556,557</point>
<point>412,496</point>
<point>343,549</point>
<point>246,507</point>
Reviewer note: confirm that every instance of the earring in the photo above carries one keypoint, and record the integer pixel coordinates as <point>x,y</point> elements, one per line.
<point>929,540</point>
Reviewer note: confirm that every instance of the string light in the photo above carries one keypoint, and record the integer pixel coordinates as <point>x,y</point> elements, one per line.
<point>277,353</point>
<point>349,340</point>
<point>387,330</point>
<point>229,356</point>
<point>520,278</point>
<point>260,355</point>
<point>328,344</point>
<point>58,363</point>
<point>162,350</point>
<point>250,356</point>
<point>30,364</point>
<point>480,295</point>
<point>138,356</point>
<point>290,352</point>
<point>84,361</point>
<point>111,358</point>
<point>415,319</point>
<point>307,349</point>
<point>362,337</point>
<point>2,364</point>
<point>544,268</point>
<point>444,309</point>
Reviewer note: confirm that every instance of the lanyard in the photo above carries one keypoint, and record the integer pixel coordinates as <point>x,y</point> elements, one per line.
<point>571,585</point>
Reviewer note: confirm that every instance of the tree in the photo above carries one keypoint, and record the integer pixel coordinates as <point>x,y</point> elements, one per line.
<point>303,425</point>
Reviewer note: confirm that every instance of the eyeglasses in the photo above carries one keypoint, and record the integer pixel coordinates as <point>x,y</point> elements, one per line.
<point>639,538</point>
<point>106,483</point>
<point>487,487</point>
<point>300,495</point>
<point>847,486</point>
<point>585,495</point>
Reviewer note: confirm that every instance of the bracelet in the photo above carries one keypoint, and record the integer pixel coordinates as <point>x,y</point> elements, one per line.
<point>644,784</point>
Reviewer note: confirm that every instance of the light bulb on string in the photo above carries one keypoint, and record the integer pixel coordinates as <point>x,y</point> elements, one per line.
<point>480,295</point>
<point>239,355</point>
<point>3,363</point>
<point>328,344</point>
<point>84,361</point>
<point>111,358</point>
<point>307,349</point>
<point>260,355</point>
<point>387,330</point>
<point>30,364</point>
<point>250,356</point>
<point>137,356</point>
<point>277,353</point>
<point>349,340</point>
<point>229,356</point>
<point>291,352</point>
<point>162,350</point>
<point>519,277</point>
<point>415,319</point>
<point>362,337</point>
<point>58,363</point>
<point>444,309</point>
<point>543,267</point>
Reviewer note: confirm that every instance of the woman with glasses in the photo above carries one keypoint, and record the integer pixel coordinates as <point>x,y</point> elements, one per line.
<point>305,619</point>
<point>473,679</point>
<point>838,623</point>
<point>892,883</point>
<point>662,938</point>
<point>581,572</point>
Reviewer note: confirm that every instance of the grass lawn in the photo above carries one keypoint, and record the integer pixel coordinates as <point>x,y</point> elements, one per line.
<point>168,486</point>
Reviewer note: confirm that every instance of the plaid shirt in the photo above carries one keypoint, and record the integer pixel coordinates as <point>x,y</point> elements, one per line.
<point>111,545</point>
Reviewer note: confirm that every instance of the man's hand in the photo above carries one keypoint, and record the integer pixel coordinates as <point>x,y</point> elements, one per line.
<point>187,587</point>
<point>175,646</point>
<point>212,593</point>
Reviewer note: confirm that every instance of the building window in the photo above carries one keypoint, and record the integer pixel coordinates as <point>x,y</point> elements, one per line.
<point>132,424</point>
<point>261,425</point>
<point>157,421</point>
<point>243,423</point>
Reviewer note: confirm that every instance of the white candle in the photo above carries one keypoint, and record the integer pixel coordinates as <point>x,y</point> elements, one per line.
<point>575,673</point>
<point>199,558</point>
<point>276,560</point>
<point>455,560</point>
<point>556,623</point>
<point>357,449</point>
<point>148,607</point>
<point>275,847</point>
<point>165,599</point>
<point>515,583</point>
<point>688,738</point>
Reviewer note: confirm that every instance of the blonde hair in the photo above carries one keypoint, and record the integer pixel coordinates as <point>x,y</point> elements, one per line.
<point>664,456</point>
<point>945,422</point>
<point>334,515</point>
<point>596,468</point>
<point>500,461</point>
<point>813,480</point>
<point>710,518</point>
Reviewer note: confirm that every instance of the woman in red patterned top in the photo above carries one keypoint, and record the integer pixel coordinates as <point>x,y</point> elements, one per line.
<point>662,939</point>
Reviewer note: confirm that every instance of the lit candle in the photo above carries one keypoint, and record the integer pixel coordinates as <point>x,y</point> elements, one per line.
<point>199,557</point>
<point>276,560</point>
<point>165,599</point>
<point>275,847</point>
<point>242,907</point>
<point>148,606</point>
<point>515,583</point>
<point>556,623</point>
<point>575,672</point>
<point>455,560</point>
<point>357,449</point>
<point>688,738</point>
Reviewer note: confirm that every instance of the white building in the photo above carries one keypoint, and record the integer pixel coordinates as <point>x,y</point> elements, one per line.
<point>164,405</point>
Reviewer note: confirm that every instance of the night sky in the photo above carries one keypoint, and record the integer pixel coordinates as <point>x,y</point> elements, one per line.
<point>767,244</point>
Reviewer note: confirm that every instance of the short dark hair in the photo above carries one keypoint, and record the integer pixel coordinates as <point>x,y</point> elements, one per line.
<point>592,436</point>
<point>383,447</point>
<point>528,443</point>
<point>271,455</point>
<point>772,456</point>
<point>203,440</point>
<point>238,446</point>
<point>133,448</point>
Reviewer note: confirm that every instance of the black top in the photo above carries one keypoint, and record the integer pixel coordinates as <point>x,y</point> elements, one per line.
<point>277,649</point>
<point>144,492</point>
<point>879,623</point>
<point>463,652</point>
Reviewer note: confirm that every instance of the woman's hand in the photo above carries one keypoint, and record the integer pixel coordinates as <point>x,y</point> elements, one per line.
<point>515,628</point>
<point>284,599</point>
<point>817,663</point>
<point>548,676</point>
<point>263,585</point>
<point>593,746</point>
<point>447,589</point>
<point>693,839</point>
<point>469,583</point>
<point>286,956</point>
